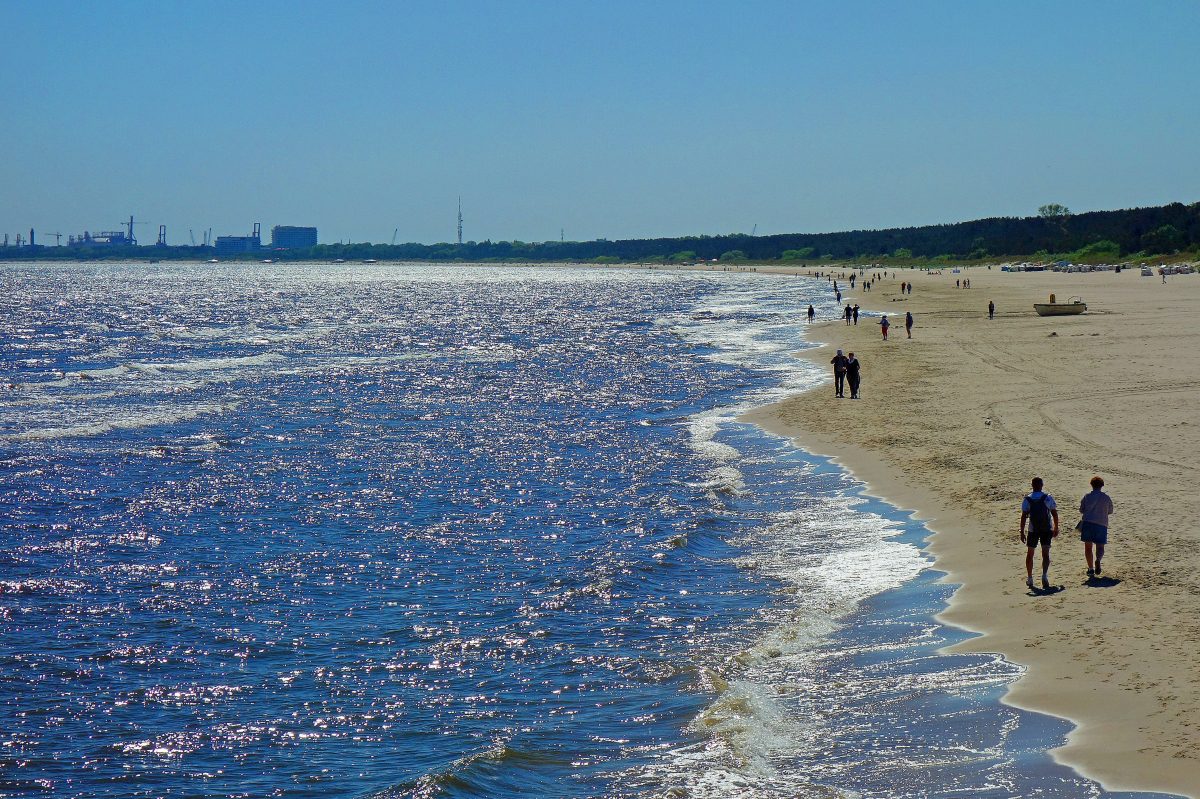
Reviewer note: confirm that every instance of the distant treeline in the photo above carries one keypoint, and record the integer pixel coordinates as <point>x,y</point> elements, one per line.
<point>1054,233</point>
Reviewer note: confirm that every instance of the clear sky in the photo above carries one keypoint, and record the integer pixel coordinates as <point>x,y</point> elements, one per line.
<point>604,119</point>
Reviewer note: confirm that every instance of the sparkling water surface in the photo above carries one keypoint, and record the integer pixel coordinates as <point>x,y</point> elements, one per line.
<point>316,530</point>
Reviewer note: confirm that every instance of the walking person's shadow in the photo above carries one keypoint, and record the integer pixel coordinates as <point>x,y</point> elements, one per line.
<point>1101,582</point>
<point>1052,590</point>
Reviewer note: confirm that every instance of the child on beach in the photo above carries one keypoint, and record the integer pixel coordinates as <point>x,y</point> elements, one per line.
<point>884,324</point>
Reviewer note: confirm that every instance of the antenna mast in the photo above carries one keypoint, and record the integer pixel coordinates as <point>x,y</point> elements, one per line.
<point>460,220</point>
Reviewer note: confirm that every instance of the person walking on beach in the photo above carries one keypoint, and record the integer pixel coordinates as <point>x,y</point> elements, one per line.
<point>856,313</point>
<point>848,313</point>
<point>1095,507</point>
<point>812,313</point>
<point>852,375</point>
<point>1038,509</point>
<point>991,310</point>
<point>884,324</point>
<point>839,374</point>
<point>908,323</point>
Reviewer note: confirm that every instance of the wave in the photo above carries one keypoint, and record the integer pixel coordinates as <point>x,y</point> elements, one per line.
<point>472,773</point>
<point>131,421</point>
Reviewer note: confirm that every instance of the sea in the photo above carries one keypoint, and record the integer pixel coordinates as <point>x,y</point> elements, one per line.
<point>371,530</point>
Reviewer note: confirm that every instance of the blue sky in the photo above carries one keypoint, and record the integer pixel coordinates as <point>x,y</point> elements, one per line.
<point>600,119</point>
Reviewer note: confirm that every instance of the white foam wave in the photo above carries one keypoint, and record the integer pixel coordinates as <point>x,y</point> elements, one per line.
<point>212,364</point>
<point>158,416</point>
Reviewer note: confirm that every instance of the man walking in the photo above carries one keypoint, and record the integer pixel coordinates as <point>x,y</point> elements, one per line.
<point>1096,507</point>
<point>908,323</point>
<point>1038,509</point>
<point>847,314</point>
<point>991,310</point>
<point>856,313</point>
<point>839,374</point>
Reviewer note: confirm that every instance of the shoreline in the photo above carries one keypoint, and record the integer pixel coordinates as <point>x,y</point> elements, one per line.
<point>940,431</point>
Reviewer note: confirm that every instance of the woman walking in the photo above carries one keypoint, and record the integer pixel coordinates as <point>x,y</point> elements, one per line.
<point>1096,507</point>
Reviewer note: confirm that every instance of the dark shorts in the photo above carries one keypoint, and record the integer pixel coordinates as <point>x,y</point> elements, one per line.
<point>1095,533</point>
<point>1039,539</point>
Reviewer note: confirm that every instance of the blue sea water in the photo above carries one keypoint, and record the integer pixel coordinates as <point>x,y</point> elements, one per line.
<point>417,531</point>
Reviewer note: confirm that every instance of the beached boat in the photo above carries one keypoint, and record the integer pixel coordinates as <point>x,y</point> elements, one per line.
<point>1072,306</point>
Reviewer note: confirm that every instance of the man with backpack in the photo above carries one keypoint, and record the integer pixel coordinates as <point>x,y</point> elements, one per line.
<point>1039,510</point>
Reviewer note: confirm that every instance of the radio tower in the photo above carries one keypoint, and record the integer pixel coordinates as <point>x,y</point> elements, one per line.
<point>460,220</point>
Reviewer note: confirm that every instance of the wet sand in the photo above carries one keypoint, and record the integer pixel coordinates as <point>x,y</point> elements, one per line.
<point>954,422</point>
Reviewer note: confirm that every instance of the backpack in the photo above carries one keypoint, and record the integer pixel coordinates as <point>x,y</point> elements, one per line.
<point>1039,515</point>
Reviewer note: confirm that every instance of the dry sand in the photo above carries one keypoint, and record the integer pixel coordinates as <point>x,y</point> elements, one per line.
<point>953,424</point>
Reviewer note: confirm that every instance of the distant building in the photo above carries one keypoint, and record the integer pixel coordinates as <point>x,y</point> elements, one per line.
<point>288,237</point>
<point>105,238</point>
<point>232,245</point>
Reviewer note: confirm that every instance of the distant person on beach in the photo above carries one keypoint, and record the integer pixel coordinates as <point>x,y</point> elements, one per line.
<point>884,324</point>
<point>1038,509</point>
<point>910,287</point>
<point>852,374</point>
<point>908,323</point>
<point>839,374</point>
<point>812,313</point>
<point>839,294</point>
<point>991,310</point>
<point>1095,507</point>
<point>856,313</point>
<point>849,312</point>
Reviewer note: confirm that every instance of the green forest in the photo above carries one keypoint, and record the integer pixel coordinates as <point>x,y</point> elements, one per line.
<point>1053,233</point>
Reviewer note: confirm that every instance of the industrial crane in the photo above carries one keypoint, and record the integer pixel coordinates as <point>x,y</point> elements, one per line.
<point>394,233</point>
<point>57,238</point>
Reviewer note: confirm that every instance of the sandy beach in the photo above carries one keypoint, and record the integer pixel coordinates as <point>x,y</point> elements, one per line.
<point>953,424</point>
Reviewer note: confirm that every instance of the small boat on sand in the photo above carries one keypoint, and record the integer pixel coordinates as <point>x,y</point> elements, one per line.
<point>1075,305</point>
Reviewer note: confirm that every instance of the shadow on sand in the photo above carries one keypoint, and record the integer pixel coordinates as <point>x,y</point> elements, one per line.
<point>1101,582</point>
<point>1054,589</point>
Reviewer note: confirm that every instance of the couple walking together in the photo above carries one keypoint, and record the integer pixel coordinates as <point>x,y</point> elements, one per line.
<point>845,370</point>
<point>1041,512</point>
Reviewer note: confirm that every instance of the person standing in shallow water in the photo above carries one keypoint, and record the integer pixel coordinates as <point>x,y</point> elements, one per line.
<point>1038,509</point>
<point>853,377</point>
<point>812,313</point>
<point>839,374</point>
<point>1095,507</point>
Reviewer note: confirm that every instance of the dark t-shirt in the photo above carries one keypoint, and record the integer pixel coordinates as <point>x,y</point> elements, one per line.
<point>852,367</point>
<point>839,363</point>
